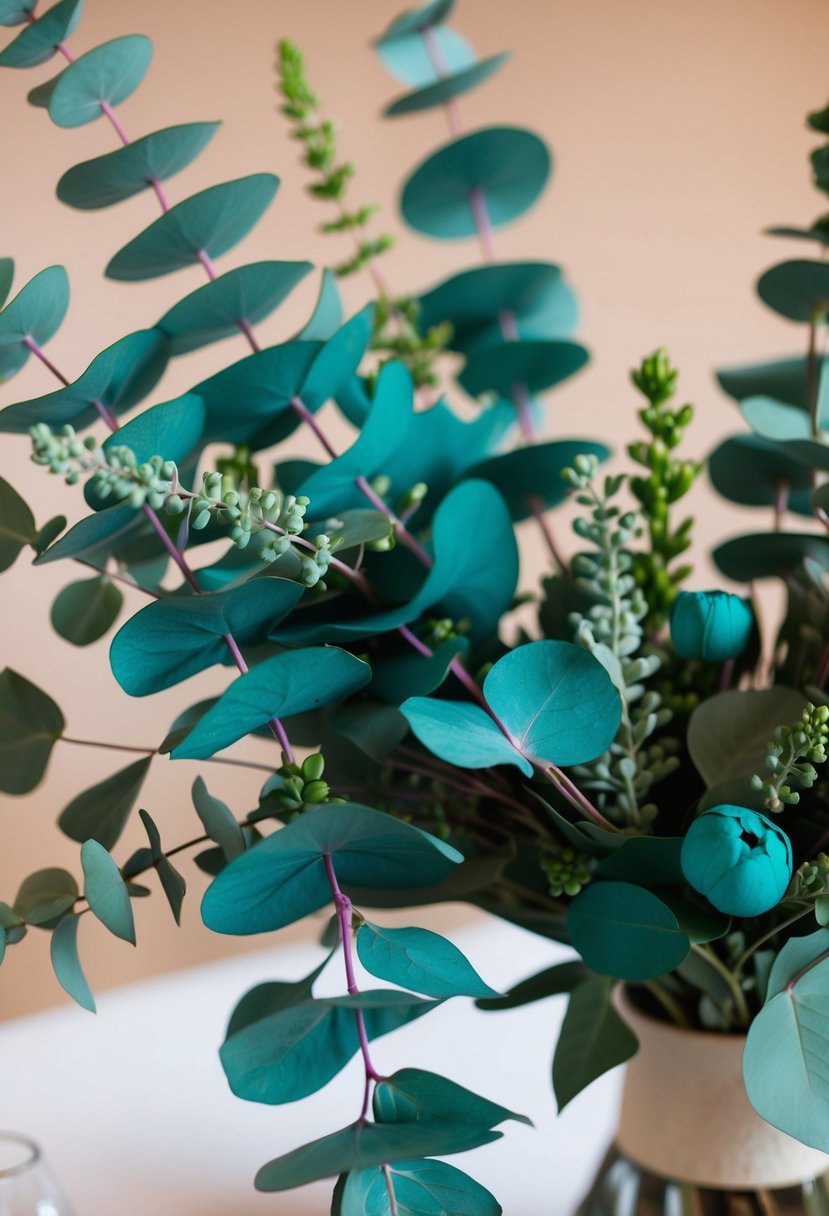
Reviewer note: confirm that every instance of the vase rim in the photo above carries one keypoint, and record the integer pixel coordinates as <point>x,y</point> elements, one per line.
<point>26,1145</point>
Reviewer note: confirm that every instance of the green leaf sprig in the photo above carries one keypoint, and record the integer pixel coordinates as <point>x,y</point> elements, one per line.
<point>791,756</point>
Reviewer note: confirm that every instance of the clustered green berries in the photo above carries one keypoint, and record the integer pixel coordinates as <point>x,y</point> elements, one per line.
<point>792,753</point>
<point>567,872</point>
<point>812,878</point>
<point>295,786</point>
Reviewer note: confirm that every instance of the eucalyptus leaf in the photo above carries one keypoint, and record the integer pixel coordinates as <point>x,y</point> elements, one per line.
<point>418,1186</point>
<point>533,475</point>
<point>35,313</point>
<point>86,537</point>
<point>16,12</point>
<point>85,610</point>
<point>38,42</point>
<point>17,525</point>
<point>101,812</point>
<point>409,674</point>
<point>106,891</point>
<point>508,165</point>
<point>327,316</point>
<point>462,734</point>
<point>728,733</point>
<point>284,878</point>
<point>30,725</point>
<point>172,883</point>
<point>119,175</point>
<point>404,52</point>
<point>362,1145</point>
<point>447,87</point>
<point>769,554</point>
<point>419,960</point>
<point>104,76</point>
<point>6,277</point>
<point>785,380</point>
<point>625,931</point>
<point>218,821</point>
<point>211,222</point>
<point>413,1095</point>
<point>553,981</point>
<point>798,289</point>
<point>66,963</point>
<point>593,1040</point>
<point>754,470</point>
<point>535,363</point>
<point>775,419</point>
<point>45,895</point>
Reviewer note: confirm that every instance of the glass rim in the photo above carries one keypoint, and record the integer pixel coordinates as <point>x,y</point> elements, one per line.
<point>28,1162</point>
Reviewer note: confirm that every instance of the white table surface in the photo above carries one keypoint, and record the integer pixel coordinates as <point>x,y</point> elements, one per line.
<point>133,1111</point>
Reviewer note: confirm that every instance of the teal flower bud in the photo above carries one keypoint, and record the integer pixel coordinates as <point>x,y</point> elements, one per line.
<point>710,625</point>
<point>739,860</point>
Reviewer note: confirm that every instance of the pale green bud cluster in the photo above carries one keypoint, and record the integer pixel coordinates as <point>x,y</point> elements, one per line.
<point>295,786</point>
<point>812,878</point>
<point>792,753</point>
<point>567,872</point>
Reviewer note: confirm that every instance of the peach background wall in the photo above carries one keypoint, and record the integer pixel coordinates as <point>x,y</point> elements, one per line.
<point>678,134</point>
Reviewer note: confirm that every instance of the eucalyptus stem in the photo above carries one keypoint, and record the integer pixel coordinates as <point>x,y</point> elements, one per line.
<point>731,979</point>
<point>767,937</point>
<point>669,1003</point>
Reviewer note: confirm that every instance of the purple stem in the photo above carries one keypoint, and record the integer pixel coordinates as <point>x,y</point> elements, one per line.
<point>344,909</point>
<point>726,673</point>
<point>414,641</point>
<point>399,527</point>
<point>36,350</point>
<point>301,410</point>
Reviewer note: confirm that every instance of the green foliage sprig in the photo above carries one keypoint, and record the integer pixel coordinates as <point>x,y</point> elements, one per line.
<point>791,756</point>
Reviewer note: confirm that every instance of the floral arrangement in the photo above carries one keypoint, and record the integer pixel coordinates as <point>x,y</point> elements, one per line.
<point>640,780</point>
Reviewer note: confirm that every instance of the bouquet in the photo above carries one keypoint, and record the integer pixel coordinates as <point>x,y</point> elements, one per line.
<point>637,774</point>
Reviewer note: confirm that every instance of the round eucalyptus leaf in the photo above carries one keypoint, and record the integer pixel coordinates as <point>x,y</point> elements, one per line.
<point>101,812</point>
<point>249,399</point>
<point>446,87</point>
<point>6,278</point>
<point>121,376</point>
<point>535,473</point>
<point>84,611</point>
<point>769,554</point>
<point>39,41</point>
<point>338,359</point>
<point>508,165</point>
<point>728,733</point>
<point>15,12</point>
<point>118,175</point>
<point>785,380</point>
<point>171,428</point>
<point>104,76</point>
<point>17,525</point>
<point>36,312</point>
<point>212,221</point>
<point>106,892</point>
<point>535,294</point>
<point>45,895</point>
<point>408,57</point>
<point>414,21</point>
<point>327,316</point>
<point>30,725</point>
<point>798,289</point>
<point>751,470</point>
<point>415,1183</point>
<point>625,931</point>
<point>812,453</point>
<point>537,364</point>
<point>772,419</point>
<point>248,293</point>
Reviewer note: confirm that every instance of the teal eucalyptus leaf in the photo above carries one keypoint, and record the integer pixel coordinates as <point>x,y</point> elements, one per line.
<point>250,398</point>
<point>327,316</point>
<point>171,429</point>
<point>39,41</point>
<point>783,379</point>
<point>769,554</point>
<point>30,725</point>
<point>101,812</point>
<point>593,1040</point>
<point>17,525</point>
<point>106,892</point>
<point>625,931</point>
<point>407,674</point>
<point>464,735</point>
<point>419,960</point>
<point>172,639</point>
<point>508,165</point>
<point>750,469</point>
<point>6,278</point>
<point>771,419</point>
<point>172,883</point>
<point>289,683</point>
<point>45,896</point>
<point>404,53</point>
<point>535,473</point>
<point>104,76</point>
<point>797,953</point>
<point>337,360</point>
<point>553,981</point>
<point>218,821</point>
<point>798,290</point>
<point>104,528</point>
<point>118,378</point>
<point>66,963</point>
<point>413,1095</point>
<point>118,175</point>
<point>36,313</point>
<point>447,87</point>
<point>211,222</point>
<point>362,1145</point>
<point>86,610</point>
<point>15,12</point>
<point>284,878</point>
<point>247,294</point>
<point>535,294</point>
<point>350,529</point>
<point>432,1187</point>
<point>534,363</point>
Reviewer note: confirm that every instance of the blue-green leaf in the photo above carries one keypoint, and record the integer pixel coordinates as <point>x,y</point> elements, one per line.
<point>212,221</point>
<point>104,76</point>
<point>101,812</point>
<point>535,294</point>
<point>106,892</point>
<point>362,1145</point>
<point>172,639</point>
<point>67,965</point>
<point>248,400</point>
<point>45,895</point>
<point>218,821</point>
<point>172,883</point>
<point>39,41</point>
<point>769,554</point>
<point>89,534</point>
<point>6,278</point>
<point>534,473</point>
<point>290,683</point>
<point>284,879</point>
<point>462,734</point>
<point>749,469</point>
<point>17,525</point>
<point>85,610</point>
<point>409,674</point>
<point>404,53</point>
<point>248,293</point>
<point>414,1095</point>
<point>797,289</point>
<point>118,175</point>
<point>773,419</point>
<point>553,981</point>
<point>536,364</point>
<point>447,87</point>
<point>421,1188</point>
<point>337,360</point>
<point>327,316</point>
<point>783,379</point>
<point>419,960</point>
<point>556,700</point>
<point>625,931</point>
<point>118,378</point>
<point>593,1039</point>
<point>15,12</point>
<point>291,1051</point>
<point>36,313</point>
<point>30,725</point>
<point>509,165</point>
<point>171,429</point>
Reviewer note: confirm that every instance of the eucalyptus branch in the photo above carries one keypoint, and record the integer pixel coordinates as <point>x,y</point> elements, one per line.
<point>791,755</point>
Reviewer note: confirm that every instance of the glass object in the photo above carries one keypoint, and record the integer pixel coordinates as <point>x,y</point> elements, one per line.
<point>27,1187</point>
<point>688,1141</point>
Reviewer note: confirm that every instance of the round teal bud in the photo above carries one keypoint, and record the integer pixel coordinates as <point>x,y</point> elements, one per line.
<point>710,625</point>
<point>739,860</point>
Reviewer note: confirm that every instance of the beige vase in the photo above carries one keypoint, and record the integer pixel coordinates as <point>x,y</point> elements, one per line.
<point>685,1115</point>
